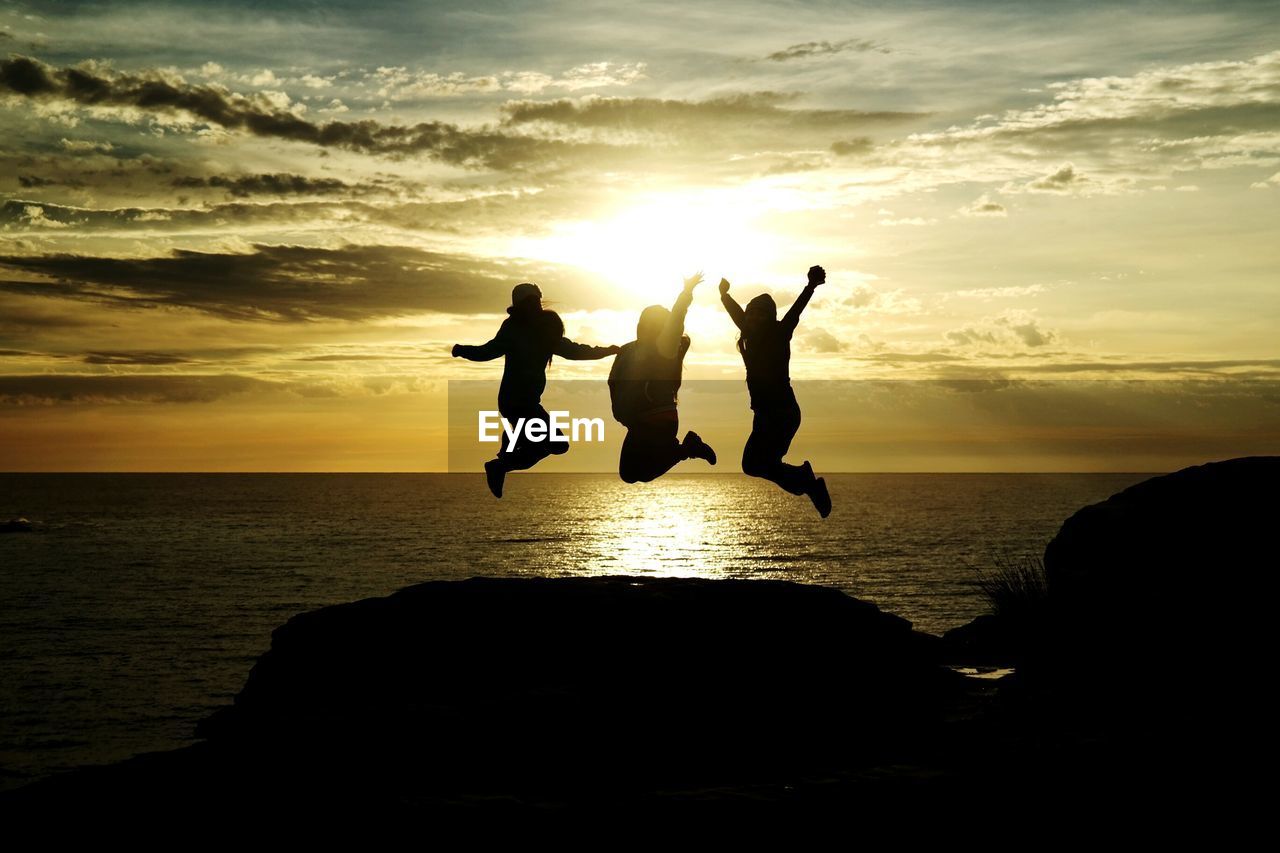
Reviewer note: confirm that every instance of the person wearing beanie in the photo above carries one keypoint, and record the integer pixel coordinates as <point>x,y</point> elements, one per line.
<point>527,339</point>
<point>764,342</point>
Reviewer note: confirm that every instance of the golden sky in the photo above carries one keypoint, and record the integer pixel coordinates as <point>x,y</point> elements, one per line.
<point>243,236</point>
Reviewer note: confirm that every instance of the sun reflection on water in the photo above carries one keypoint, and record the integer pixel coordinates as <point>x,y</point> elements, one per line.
<point>678,528</point>
<point>660,532</point>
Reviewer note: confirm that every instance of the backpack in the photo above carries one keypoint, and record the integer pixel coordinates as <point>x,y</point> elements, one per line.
<point>642,382</point>
<point>626,393</point>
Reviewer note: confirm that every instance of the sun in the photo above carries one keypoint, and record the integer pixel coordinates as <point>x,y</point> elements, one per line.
<point>650,246</point>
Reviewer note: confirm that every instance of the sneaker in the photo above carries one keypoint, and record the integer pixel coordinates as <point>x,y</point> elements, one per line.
<point>808,471</point>
<point>494,475</point>
<point>695,448</point>
<point>821,497</point>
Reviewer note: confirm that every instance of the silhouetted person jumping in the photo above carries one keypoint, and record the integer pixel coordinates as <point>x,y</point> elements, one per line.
<point>765,344</point>
<point>528,339</point>
<point>642,387</point>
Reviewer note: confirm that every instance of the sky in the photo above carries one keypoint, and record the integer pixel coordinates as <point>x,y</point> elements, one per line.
<point>244,236</point>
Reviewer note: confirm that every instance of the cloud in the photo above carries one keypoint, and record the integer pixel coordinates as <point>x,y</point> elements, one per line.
<point>1013,329</point>
<point>21,318</point>
<point>852,147</point>
<point>1065,179</point>
<point>275,183</point>
<point>138,357</point>
<point>932,357</point>
<point>1208,367</point>
<point>1273,181</point>
<point>907,220</point>
<point>268,114</point>
<point>1030,332</point>
<point>499,213</point>
<point>604,134</point>
<point>984,206</point>
<point>398,83</point>
<point>826,48</point>
<point>862,296</point>
<point>295,283</point>
<point>1206,115</point>
<point>41,216</point>
<point>51,389</point>
<point>93,171</point>
<point>594,75</point>
<point>986,294</point>
<point>821,341</point>
<point>867,298</point>
<point>32,216</point>
<point>36,181</point>
<point>743,113</point>
<point>1151,96</point>
<point>85,146</point>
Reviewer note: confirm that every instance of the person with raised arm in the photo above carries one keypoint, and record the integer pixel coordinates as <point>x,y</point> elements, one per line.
<point>643,385</point>
<point>764,342</point>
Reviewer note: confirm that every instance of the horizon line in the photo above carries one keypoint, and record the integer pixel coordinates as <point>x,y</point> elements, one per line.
<point>570,473</point>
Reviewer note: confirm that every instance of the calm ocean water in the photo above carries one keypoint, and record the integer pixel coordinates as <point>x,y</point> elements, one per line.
<point>142,600</point>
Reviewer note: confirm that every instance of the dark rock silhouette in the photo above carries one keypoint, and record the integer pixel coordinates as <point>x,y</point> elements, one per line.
<point>659,674</point>
<point>551,690</point>
<point>989,640</point>
<point>1171,571</point>
<point>1157,619</point>
<point>1138,698</point>
<point>1169,575</point>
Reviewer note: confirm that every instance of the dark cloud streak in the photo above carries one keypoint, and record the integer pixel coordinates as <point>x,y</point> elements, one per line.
<point>274,183</point>
<point>157,92</point>
<point>135,358</point>
<point>725,113</point>
<point>295,283</point>
<point>826,48</point>
<point>49,389</point>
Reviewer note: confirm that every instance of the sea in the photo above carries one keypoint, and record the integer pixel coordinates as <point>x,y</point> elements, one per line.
<point>138,602</point>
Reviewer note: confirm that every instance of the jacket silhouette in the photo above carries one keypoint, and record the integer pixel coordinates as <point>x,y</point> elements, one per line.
<point>764,342</point>
<point>527,339</point>
<point>643,386</point>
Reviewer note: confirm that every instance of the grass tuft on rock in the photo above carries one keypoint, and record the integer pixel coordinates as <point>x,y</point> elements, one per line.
<point>1016,586</point>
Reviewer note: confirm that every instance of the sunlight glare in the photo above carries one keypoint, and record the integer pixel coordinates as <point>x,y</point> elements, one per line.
<point>647,249</point>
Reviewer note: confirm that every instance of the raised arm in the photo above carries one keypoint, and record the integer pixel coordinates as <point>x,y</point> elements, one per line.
<point>731,305</point>
<point>673,331</point>
<point>486,351</point>
<point>817,275</point>
<point>574,351</point>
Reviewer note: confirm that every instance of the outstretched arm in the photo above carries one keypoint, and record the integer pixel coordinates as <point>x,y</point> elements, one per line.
<point>731,305</point>
<point>817,275</point>
<point>574,351</point>
<point>669,340</point>
<point>484,352</point>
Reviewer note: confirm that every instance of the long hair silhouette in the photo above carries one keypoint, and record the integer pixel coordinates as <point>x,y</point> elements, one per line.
<point>764,342</point>
<point>643,386</point>
<point>527,340</point>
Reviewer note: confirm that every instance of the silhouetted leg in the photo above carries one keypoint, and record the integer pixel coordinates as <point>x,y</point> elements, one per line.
<point>525,453</point>
<point>650,449</point>
<point>772,429</point>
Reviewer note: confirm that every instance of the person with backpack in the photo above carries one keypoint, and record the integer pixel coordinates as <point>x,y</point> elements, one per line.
<point>764,342</point>
<point>528,338</point>
<point>643,383</point>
